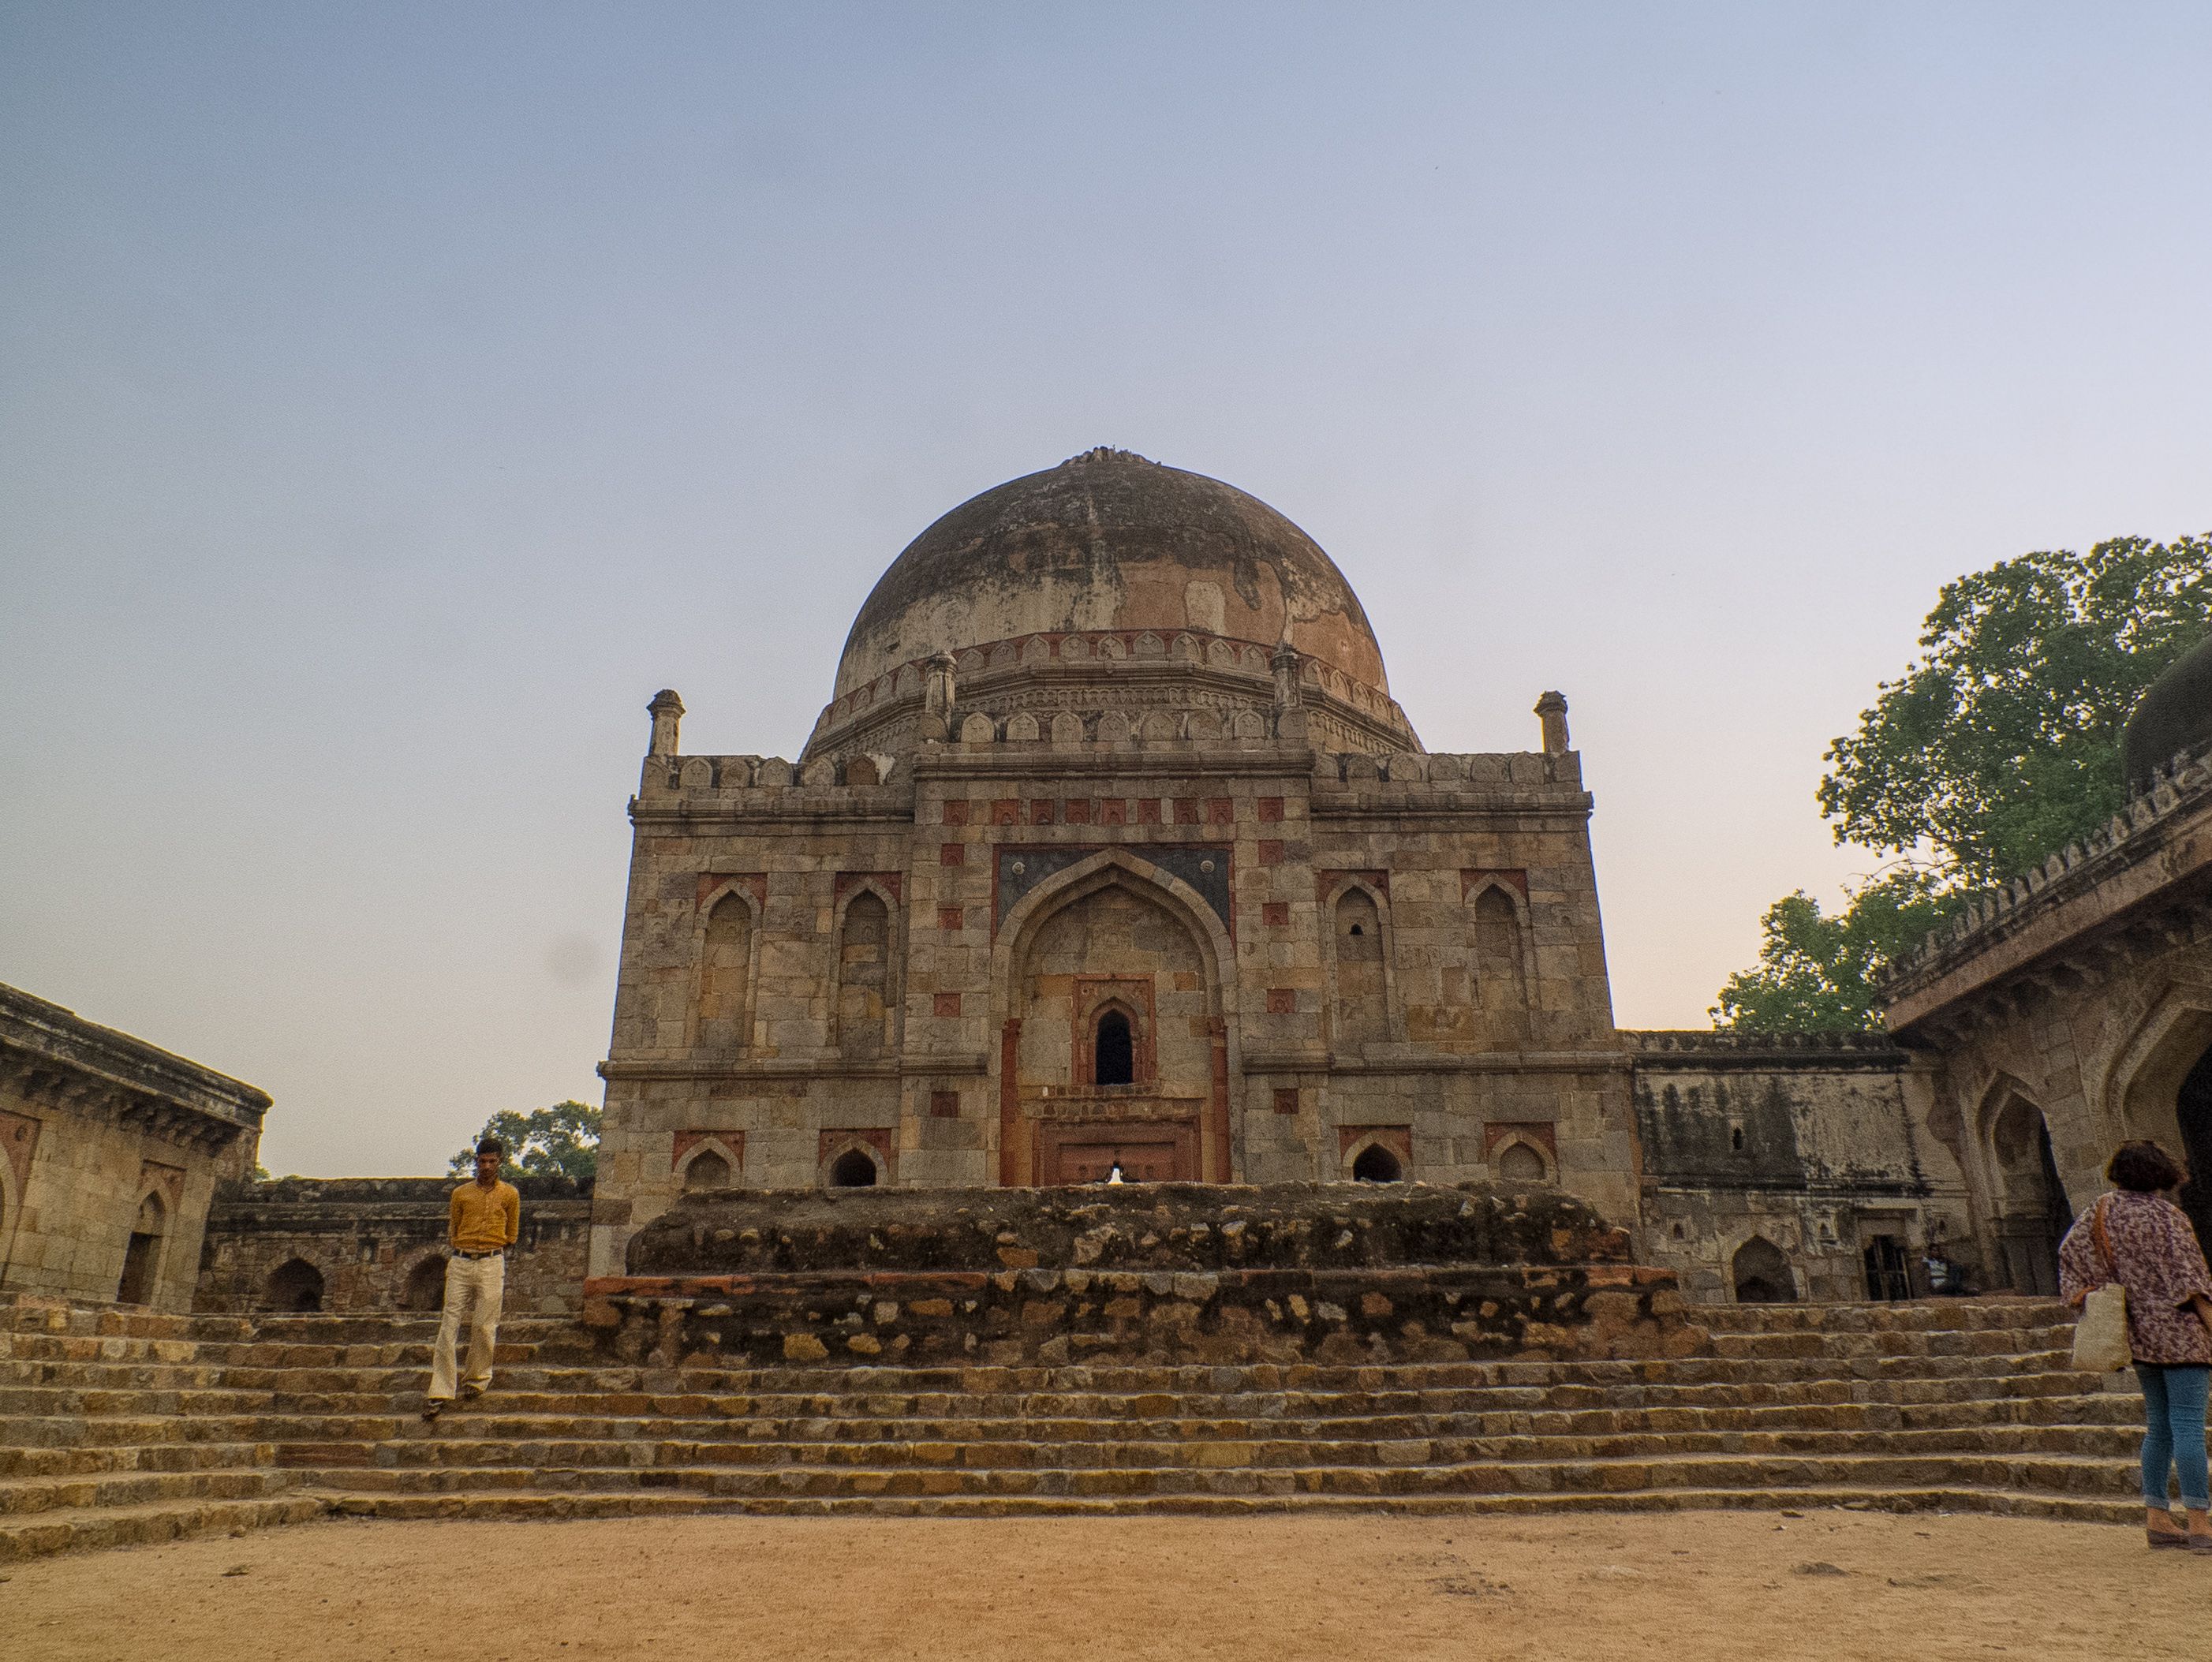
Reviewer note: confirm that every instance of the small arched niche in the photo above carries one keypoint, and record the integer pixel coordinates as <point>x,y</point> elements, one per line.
<point>296,1285</point>
<point>1761,1275</point>
<point>1360,1009</point>
<point>863,975</point>
<point>1519,1163</point>
<point>724,964</point>
<point>1377,1164</point>
<point>855,1168</point>
<point>705,1170</point>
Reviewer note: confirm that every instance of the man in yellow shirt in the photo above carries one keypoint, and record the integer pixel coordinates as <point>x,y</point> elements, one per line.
<point>485,1218</point>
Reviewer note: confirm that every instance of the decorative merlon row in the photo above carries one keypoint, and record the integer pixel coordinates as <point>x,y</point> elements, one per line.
<point>2182,784</point>
<point>724,776</point>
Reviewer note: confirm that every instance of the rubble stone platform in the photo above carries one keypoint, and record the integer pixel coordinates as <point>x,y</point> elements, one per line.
<point>1169,1273</point>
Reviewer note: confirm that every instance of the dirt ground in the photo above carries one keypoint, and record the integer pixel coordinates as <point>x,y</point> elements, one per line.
<point>1710,1586</point>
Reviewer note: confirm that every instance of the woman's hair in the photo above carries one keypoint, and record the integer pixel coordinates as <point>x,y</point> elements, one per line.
<point>2145,1168</point>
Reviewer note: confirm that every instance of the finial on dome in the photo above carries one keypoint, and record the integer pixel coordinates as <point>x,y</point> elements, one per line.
<point>1108,453</point>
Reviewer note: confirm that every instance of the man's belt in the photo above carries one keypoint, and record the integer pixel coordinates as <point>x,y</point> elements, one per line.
<point>497,1251</point>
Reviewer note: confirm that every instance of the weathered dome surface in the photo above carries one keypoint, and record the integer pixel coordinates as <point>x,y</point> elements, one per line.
<point>1109,541</point>
<point>2175,715</point>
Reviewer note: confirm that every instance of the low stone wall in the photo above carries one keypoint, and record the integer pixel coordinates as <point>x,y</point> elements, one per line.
<point>378,1243</point>
<point>1171,1272</point>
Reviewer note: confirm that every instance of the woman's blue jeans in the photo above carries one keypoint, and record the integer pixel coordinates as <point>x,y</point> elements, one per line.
<point>2174,1433</point>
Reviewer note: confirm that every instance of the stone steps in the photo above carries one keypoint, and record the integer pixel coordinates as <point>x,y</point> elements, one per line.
<point>519,1506</point>
<point>168,1425</point>
<point>19,1495</point>
<point>71,1460</point>
<point>2078,1476</point>
<point>1286,1450</point>
<point>69,1529</point>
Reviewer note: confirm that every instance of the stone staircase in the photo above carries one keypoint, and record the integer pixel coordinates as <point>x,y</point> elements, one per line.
<point>118,1426</point>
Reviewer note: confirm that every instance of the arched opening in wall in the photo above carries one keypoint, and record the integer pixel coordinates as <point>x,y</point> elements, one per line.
<point>1114,1050</point>
<point>294,1284</point>
<point>724,960</point>
<point>142,1255</point>
<point>1361,1013</point>
<point>864,976</point>
<point>853,1169</point>
<point>426,1285</point>
<point>1761,1274</point>
<point>2193,1109</point>
<point>707,1170</point>
<point>1500,982</point>
<point>1519,1163</point>
<point>2031,1216</point>
<point>1376,1164</point>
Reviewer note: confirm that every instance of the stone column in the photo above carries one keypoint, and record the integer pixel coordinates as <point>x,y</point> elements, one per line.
<point>1552,710</point>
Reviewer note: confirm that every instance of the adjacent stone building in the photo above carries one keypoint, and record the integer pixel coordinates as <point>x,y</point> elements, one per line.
<point>379,1243</point>
<point>2072,1009</point>
<point>110,1152</point>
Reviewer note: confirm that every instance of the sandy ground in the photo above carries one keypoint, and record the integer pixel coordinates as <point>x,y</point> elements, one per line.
<point>1700,1585</point>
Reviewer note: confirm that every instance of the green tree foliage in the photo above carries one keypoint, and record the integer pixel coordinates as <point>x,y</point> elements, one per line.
<point>1817,974</point>
<point>561,1141</point>
<point>2002,744</point>
<point>1999,745</point>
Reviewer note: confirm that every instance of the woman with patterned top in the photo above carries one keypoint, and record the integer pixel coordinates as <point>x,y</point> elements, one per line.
<point>2142,1241</point>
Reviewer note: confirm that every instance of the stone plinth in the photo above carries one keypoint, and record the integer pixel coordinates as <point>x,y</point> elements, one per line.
<point>1168,1272</point>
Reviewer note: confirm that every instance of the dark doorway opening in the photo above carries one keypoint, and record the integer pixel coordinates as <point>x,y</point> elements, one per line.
<point>1376,1164</point>
<point>1762,1273</point>
<point>1115,1052</point>
<point>138,1283</point>
<point>2194,1109</point>
<point>853,1170</point>
<point>296,1284</point>
<point>1887,1277</point>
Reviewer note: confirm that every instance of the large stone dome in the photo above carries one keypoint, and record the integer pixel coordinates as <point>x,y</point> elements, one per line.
<point>2175,715</point>
<point>1109,541</point>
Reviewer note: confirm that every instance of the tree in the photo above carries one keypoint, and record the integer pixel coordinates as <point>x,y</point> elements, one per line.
<point>1999,745</point>
<point>1821,975</point>
<point>561,1141</point>
<point>2002,744</point>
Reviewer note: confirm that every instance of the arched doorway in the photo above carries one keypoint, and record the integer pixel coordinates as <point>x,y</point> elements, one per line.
<point>1761,1275</point>
<point>426,1285</point>
<point>2031,1216</point>
<point>1114,1048</point>
<point>296,1284</point>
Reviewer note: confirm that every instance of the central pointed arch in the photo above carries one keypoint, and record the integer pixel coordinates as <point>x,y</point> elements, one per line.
<point>1204,1018</point>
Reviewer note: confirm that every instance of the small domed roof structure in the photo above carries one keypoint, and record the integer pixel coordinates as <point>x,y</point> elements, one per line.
<point>2174,715</point>
<point>1108,540</point>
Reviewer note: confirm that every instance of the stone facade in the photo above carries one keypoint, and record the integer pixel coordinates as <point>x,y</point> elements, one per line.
<point>111,1151</point>
<point>378,1243</point>
<point>1780,1165</point>
<point>1113,846</point>
<point>2067,1012</point>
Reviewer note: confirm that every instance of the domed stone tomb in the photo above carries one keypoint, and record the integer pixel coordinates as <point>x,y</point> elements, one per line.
<point>1111,856</point>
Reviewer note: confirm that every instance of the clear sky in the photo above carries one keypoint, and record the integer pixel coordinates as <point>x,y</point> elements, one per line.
<point>392,396</point>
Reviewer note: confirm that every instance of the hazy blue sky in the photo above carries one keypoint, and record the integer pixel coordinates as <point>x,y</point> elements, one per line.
<point>392,397</point>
